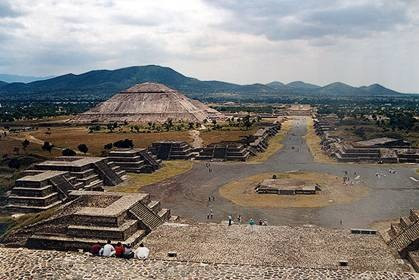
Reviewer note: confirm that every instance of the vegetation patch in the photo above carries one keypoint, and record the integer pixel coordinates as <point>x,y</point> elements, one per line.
<point>333,191</point>
<point>170,169</point>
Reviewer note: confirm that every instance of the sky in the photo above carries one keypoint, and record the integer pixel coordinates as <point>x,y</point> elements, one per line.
<point>359,42</point>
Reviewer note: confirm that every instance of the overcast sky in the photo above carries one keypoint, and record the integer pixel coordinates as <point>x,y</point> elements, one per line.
<point>359,42</point>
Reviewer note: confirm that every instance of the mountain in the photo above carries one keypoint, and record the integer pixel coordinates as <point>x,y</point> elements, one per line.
<point>301,85</point>
<point>22,79</point>
<point>378,90</point>
<point>2,83</point>
<point>276,85</point>
<point>104,83</point>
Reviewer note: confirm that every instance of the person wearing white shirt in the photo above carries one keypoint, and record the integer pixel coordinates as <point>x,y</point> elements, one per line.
<point>108,250</point>
<point>142,252</point>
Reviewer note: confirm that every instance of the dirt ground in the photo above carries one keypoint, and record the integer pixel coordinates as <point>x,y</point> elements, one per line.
<point>215,136</point>
<point>135,182</point>
<point>333,191</point>
<point>71,137</point>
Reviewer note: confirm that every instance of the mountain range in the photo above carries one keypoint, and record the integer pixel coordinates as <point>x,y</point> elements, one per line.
<point>21,79</point>
<point>104,83</point>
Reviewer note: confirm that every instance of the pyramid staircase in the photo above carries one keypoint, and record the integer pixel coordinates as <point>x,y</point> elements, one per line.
<point>404,236</point>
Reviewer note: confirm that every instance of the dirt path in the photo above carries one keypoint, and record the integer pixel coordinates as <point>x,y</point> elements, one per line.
<point>197,140</point>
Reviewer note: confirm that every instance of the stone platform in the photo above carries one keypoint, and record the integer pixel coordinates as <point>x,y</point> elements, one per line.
<point>135,160</point>
<point>40,264</point>
<point>302,246</point>
<point>92,217</point>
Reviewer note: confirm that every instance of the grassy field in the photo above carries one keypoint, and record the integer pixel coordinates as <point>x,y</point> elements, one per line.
<point>313,143</point>
<point>275,144</point>
<point>169,169</point>
<point>333,191</point>
<point>215,136</point>
<point>71,137</point>
<point>8,144</point>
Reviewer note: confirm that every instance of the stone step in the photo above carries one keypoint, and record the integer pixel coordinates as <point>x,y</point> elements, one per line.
<point>75,243</point>
<point>405,223</point>
<point>89,179</point>
<point>174,219</point>
<point>94,185</point>
<point>34,200</point>
<point>119,233</point>
<point>164,214</point>
<point>30,191</point>
<point>155,206</point>
<point>30,208</point>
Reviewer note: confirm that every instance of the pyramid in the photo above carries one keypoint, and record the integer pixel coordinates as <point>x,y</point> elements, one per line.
<point>149,102</point>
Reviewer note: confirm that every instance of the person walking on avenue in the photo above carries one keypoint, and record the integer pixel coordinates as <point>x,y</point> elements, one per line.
<point>251,223</point>
<point>230,220</point>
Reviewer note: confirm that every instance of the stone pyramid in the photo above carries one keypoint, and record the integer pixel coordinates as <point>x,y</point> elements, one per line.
<point>149,102</point>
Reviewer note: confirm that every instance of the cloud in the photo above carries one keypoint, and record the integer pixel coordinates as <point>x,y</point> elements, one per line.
<point>313,19</point>
<point>7,10</point>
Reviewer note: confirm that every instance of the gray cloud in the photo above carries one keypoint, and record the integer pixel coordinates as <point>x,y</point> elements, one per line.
<point>285,20</point>
<point>7,11</point>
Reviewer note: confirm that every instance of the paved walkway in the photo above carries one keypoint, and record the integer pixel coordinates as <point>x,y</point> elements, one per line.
<point>36,264</point>
<point>389,196</point>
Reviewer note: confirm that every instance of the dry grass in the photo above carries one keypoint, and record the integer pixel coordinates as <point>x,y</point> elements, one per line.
<point>275,144</point>
<point>71,137</point>
<point>333,191</point>
<point>170,169</point>
<point>313,143</point>
<point>8,144</point>
<point>215,136</point>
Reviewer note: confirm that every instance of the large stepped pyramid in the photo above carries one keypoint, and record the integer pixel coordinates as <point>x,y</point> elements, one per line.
<point>98,217</point>
<point>149,102</point>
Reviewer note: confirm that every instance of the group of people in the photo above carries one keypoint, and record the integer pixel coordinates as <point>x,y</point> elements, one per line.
<point>119,250</point>
<point>251,221</point>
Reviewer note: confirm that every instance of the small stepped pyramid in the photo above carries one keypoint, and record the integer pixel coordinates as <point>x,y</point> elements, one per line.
<point>172,150</point>
<point>101,216</point>
<point>40,192</point>
<point>135,160</point>
<point>404,236</point>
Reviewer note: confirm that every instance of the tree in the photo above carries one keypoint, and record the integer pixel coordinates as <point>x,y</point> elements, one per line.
<point>14,163</point>
<point>191,125</point>
<point>127,143</point>
<point>108,146</point>
<point>360,132</point>
<point>47,146</point>
<point>83,148</point>
<point>246,122</point>
<point>68,152</point>
<point>25,144</point>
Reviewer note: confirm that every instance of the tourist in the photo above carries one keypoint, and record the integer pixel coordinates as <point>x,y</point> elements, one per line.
<point>239,219</point>
<point>230,220</point>
<point>142,252</point>
<point>260,222</point>
<point>108,250</point>
<point>211,214</point>
<point>265,223</point>
<point>128,253</point>
<point>251,223</point>
<point>95,249</point>
<point>119,250</point>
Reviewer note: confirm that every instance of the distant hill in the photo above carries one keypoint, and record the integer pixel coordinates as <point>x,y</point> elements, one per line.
<point>20,79</point>
<point>104,83</point>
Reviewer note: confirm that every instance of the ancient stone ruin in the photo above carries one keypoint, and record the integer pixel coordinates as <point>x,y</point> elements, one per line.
<point>135,160</point>
<point>172,150</point>
<point>148,102</point>
<point>403,238</point>
<point>48,183</point>
<point>285,187</point>
<point>91,217</point>
<point>240,150</point>
<point>382,150</point>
